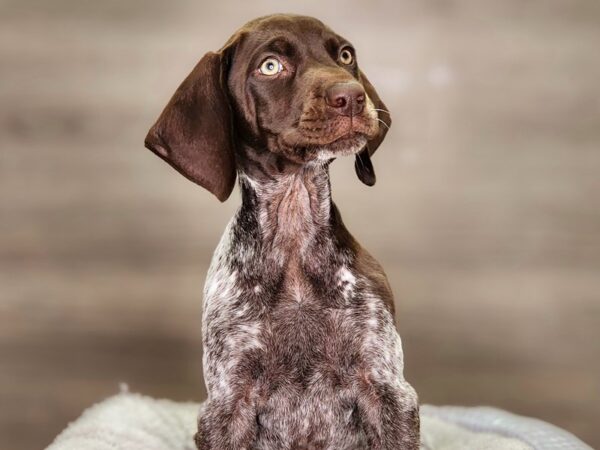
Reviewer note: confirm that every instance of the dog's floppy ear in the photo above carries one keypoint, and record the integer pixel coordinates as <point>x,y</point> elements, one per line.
<point>194,133</point>
<point>363,165</point>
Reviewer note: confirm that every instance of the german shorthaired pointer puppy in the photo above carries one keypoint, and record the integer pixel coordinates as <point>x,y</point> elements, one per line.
<point>300,346</point>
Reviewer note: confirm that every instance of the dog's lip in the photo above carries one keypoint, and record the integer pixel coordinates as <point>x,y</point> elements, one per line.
<point>365,127</point>
<point>361,125</point>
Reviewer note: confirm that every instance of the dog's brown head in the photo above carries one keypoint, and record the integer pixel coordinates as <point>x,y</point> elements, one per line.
<point>284,83</point>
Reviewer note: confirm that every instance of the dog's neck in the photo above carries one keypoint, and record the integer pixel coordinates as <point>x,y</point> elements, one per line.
<point>291,202</point>
<point>288,233</point>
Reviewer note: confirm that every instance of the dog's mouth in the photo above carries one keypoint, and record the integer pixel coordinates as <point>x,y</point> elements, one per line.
<point>329,138</point>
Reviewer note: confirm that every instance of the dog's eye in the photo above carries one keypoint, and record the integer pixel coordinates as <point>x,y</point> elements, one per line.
<point>270,67</point>
<point>346,57</point>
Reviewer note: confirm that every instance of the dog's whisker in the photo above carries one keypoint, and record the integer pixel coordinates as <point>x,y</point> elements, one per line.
<point>386,125</point>
<point>360,161</point>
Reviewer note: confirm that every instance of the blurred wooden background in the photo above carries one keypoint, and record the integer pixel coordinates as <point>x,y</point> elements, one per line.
<point>485,216</point>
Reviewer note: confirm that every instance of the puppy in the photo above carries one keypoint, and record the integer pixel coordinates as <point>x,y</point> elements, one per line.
<point>300,346</point>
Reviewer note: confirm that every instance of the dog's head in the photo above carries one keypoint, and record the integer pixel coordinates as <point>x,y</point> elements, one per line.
<point>285,84</point>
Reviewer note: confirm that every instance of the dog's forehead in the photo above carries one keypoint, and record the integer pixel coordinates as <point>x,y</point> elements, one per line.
<point>298,30</point>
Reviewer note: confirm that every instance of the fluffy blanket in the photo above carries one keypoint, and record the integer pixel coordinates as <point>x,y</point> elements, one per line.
<point>134,422</point>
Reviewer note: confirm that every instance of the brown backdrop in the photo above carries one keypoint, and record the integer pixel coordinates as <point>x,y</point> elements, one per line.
<point>485,215</point>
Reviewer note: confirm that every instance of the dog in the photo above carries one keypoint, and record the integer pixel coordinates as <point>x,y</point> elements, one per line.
<point>300,346</point>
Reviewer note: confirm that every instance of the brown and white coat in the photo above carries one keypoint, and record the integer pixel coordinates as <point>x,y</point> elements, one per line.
<point>300,345</point>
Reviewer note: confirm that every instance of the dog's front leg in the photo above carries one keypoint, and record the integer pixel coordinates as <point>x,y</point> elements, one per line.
<point>389,415</point>
<point>227,424</point>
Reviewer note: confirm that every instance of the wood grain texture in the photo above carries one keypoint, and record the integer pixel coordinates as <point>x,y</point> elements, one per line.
<point>485,216</point>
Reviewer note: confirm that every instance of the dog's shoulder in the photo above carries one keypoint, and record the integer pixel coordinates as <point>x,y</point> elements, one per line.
<point>364,264</point>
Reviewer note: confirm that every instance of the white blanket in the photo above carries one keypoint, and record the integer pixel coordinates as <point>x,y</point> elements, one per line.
<point>135,422</point>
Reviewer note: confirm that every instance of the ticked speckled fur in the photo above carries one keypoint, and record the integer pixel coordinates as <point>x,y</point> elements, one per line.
<point>300,346</point>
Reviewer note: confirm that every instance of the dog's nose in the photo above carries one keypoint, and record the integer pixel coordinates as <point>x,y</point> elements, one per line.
<point>348,99</point>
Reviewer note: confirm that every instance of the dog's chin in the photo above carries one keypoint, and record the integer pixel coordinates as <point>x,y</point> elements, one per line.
<point>347,145</point>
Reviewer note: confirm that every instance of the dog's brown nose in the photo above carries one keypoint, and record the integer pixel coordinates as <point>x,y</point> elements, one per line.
<point>348,99</point>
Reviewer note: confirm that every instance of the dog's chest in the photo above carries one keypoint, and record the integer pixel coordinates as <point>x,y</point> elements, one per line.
<point>297,316</point>
<point>297,352</point>
<point>294,320</point>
